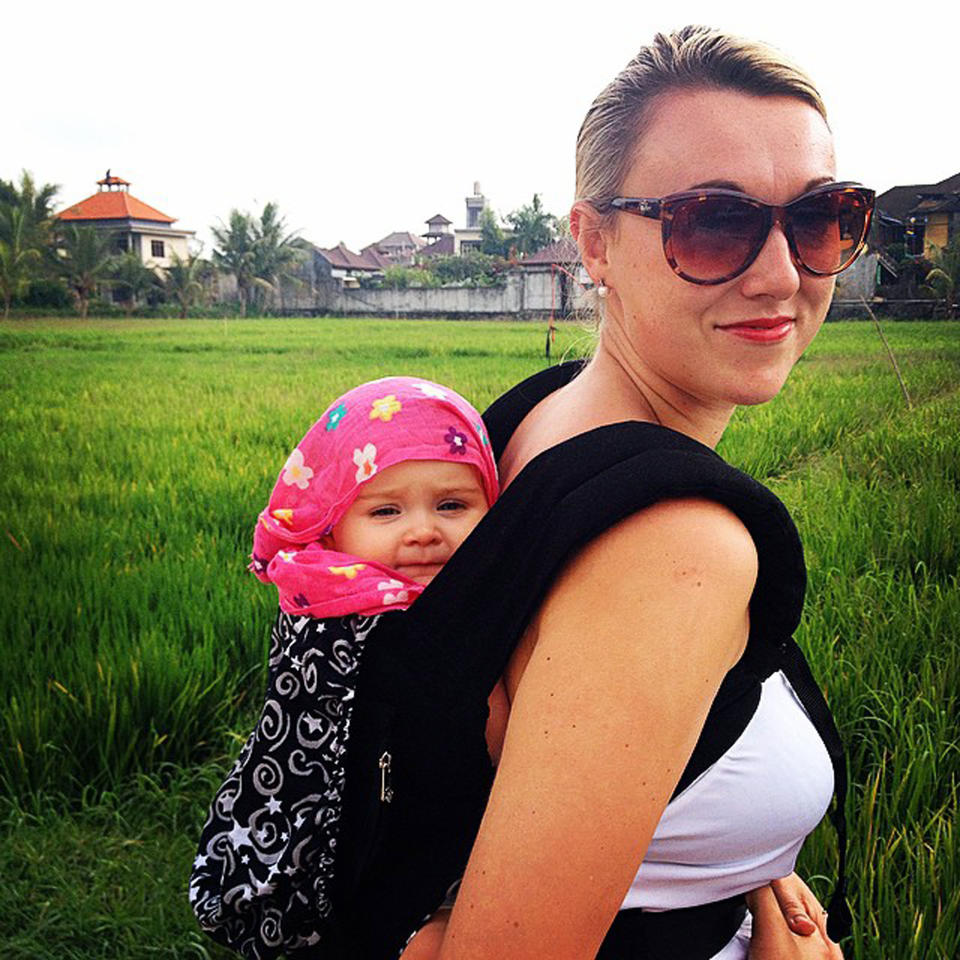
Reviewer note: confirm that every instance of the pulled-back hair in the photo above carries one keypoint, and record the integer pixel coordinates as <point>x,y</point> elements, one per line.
<point>691,58</point>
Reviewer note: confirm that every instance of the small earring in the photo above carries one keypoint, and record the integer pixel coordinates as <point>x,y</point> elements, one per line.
<point>602,290</point>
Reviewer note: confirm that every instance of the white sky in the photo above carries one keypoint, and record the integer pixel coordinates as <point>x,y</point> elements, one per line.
<point>366,117</point>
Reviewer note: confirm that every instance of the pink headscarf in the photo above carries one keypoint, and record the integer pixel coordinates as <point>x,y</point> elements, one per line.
<point>368,429</point>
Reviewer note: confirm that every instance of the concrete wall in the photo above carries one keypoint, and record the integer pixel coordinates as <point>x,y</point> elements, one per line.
<point>525,293</point>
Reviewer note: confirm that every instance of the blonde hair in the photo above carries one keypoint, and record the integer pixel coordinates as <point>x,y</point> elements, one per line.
<point>690,58</point>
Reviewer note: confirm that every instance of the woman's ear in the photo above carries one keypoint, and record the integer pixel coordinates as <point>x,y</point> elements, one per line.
<point>587,228</point>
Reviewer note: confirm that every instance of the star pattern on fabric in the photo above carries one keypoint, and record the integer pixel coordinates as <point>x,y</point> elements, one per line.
<point>239,836</point>
<point>274,805</point>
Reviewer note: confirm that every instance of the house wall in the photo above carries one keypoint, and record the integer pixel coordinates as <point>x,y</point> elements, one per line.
<point>937,233</point>
<point>171,245</point>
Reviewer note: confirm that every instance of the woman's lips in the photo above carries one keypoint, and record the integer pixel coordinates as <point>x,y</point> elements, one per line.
<point>762,329</point>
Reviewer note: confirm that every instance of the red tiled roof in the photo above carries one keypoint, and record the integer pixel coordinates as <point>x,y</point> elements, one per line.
<point>441,247</point>
<point>113,205</point>
<point>399,238</point>
<point>563,251</point>
<point>345,259</point>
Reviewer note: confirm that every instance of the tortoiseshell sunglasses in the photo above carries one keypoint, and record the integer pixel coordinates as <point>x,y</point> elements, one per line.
<point>711,236</point>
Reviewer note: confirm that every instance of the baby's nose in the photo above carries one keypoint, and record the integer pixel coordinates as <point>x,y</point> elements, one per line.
<point>422,530</point>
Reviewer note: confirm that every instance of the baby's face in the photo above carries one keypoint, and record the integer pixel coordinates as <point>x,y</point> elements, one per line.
<point>412,516</point>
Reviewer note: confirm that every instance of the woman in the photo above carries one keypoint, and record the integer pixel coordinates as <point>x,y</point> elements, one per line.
<point>613,680</point>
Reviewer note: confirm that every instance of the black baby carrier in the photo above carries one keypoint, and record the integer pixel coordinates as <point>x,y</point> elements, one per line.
<point>354,804</point>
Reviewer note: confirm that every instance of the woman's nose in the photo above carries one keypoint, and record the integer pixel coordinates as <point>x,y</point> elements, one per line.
<point>773,273</point>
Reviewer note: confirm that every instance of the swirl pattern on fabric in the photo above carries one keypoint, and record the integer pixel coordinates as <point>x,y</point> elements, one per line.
<point>261,882</point>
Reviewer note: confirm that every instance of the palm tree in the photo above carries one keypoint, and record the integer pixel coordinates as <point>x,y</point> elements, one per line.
<point>260,253</point>
<point>943,281</point>
<point>234,253</point>
<point>277,251</point>
<point>85,262</point>
<point>18,257</point>
<point>26,215</point>
<point>132,279</point>
<point>184,281</point>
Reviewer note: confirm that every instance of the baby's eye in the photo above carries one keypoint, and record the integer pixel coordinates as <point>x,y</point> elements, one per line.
<point>387,510</point>
<point>451,505</point>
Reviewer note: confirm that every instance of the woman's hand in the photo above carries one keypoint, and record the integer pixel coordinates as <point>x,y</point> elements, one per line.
<point>788,922</point>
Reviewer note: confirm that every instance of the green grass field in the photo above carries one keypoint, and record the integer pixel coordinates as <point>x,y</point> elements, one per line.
<point>134,457</point>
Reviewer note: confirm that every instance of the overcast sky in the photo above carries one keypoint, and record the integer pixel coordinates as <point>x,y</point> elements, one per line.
<point>367,117</point>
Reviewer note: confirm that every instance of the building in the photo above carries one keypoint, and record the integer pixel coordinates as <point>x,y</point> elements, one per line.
<point>462,240</point>
<point>345,268</point>
<point>400,247</point>
<point>922,216</point>
<point>132,225</point>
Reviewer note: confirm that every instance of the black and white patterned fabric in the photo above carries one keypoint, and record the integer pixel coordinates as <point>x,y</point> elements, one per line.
<point>263,875</point>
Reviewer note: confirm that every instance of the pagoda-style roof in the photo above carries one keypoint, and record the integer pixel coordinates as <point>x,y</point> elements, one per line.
<point>438,218</point>
<point>113,205</point>
<point>112,181</point>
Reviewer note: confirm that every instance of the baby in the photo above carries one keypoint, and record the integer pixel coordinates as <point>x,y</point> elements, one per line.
<point>373,502</point>
<point>366,512</point>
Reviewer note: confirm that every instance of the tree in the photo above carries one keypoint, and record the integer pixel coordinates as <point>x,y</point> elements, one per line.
<point>234,253</point>
<point>183,281</point>
<point>943,280</point>
<point>132,280</point>
<point>26,216</point>
<point>258,252</point>
<point>17,257</point>
<point>533,227</point>
<point>276,252</point>
<point>492,241</point>
<point>85,262</point>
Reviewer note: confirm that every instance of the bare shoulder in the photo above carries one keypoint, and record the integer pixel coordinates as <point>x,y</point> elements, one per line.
<point>685,560</point>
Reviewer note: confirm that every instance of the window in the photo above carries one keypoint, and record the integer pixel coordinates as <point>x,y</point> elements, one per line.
<point>118,243</point>
<point>156,248</point>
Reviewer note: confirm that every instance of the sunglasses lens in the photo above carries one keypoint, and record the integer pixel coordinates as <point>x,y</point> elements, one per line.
<point>828,229</point>
<point>714,238</point>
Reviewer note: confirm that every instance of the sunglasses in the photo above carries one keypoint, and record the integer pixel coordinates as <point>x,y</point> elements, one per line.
<point>711,236</point>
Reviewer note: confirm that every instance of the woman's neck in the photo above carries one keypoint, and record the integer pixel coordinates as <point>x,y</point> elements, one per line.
<point>619,379</point>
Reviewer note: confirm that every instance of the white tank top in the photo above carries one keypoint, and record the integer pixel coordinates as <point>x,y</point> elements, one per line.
<point>742,822</point>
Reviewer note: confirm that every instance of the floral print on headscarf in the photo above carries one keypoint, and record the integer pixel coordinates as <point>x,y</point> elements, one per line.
<point>368,429</point>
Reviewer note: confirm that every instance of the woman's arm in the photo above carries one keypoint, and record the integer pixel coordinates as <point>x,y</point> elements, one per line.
<point>632,644</point>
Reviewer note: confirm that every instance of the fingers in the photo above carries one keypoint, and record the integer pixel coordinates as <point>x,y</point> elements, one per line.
<point>775,938</point>
<point>801,909</point>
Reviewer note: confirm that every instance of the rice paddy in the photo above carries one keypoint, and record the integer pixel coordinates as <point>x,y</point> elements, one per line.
<point>134,457</point>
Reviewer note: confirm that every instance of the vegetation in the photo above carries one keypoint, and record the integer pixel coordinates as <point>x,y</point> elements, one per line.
<point>533,227</point>
<point>25,224</point>
<point>943,279</point>
<point>184,281</point>
<point>258,252</point>
<point>135,458</point>
<point>85,262</point>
